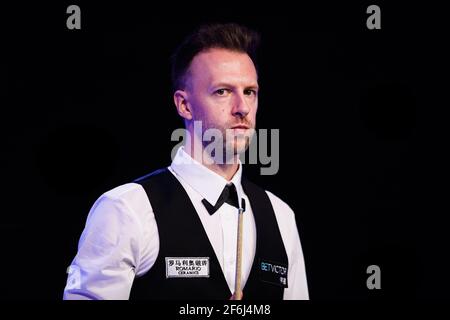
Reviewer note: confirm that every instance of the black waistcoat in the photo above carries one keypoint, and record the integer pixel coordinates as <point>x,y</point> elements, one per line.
<point>181,234</point>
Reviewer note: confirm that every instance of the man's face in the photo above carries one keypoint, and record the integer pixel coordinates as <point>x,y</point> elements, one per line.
<point>222,88</point>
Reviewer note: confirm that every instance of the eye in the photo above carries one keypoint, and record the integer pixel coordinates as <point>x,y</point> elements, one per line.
<point>222,92</point>
<point>249,92</point>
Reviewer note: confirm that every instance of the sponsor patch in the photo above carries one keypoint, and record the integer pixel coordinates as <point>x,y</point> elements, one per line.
<point>274,273</point>
<point>187,267</point>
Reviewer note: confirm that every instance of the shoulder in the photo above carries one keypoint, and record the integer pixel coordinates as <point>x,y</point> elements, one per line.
<point>129,199</point>
<point>280,206</point>
<point>129,194</point>
<point>132,196</point>
<point>285,217</point>
<point>122,192</point>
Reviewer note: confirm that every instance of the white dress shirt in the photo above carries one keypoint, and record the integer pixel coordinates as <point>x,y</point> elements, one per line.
<point>120,239</point>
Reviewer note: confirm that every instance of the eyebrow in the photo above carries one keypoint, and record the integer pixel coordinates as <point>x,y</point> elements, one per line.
<point>225,84</point>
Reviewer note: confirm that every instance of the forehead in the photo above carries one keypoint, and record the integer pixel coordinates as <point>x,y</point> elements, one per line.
<point>223,65</point>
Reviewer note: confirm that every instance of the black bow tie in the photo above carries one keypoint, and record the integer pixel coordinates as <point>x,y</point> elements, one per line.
<point>228,195</point>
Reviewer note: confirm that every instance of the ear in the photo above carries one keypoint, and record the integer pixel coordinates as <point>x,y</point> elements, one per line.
<point>182,104</point>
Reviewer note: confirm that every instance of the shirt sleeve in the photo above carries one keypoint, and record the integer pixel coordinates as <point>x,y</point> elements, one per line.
<point>109,252</point>
<point>297,284</point>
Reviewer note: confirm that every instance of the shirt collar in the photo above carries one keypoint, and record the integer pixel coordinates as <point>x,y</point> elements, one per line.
<point>203,180</point>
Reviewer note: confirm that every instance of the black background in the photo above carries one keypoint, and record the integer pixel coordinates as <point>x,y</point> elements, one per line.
<point>362,137</point>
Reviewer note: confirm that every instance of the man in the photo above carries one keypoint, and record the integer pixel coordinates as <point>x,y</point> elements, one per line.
<point>173,234</point>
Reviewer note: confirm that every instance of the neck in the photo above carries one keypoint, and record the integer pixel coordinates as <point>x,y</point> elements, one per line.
<point>226,170</point>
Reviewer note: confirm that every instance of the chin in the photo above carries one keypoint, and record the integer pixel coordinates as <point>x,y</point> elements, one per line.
<point>240,147</point>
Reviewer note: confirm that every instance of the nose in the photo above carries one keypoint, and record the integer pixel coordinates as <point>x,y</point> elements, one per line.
<point>241,107</point>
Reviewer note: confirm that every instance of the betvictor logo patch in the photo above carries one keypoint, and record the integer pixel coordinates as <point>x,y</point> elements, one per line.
<point>273,272</point>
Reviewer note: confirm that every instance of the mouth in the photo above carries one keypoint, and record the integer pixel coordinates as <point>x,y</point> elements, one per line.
<point>241,126</point>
